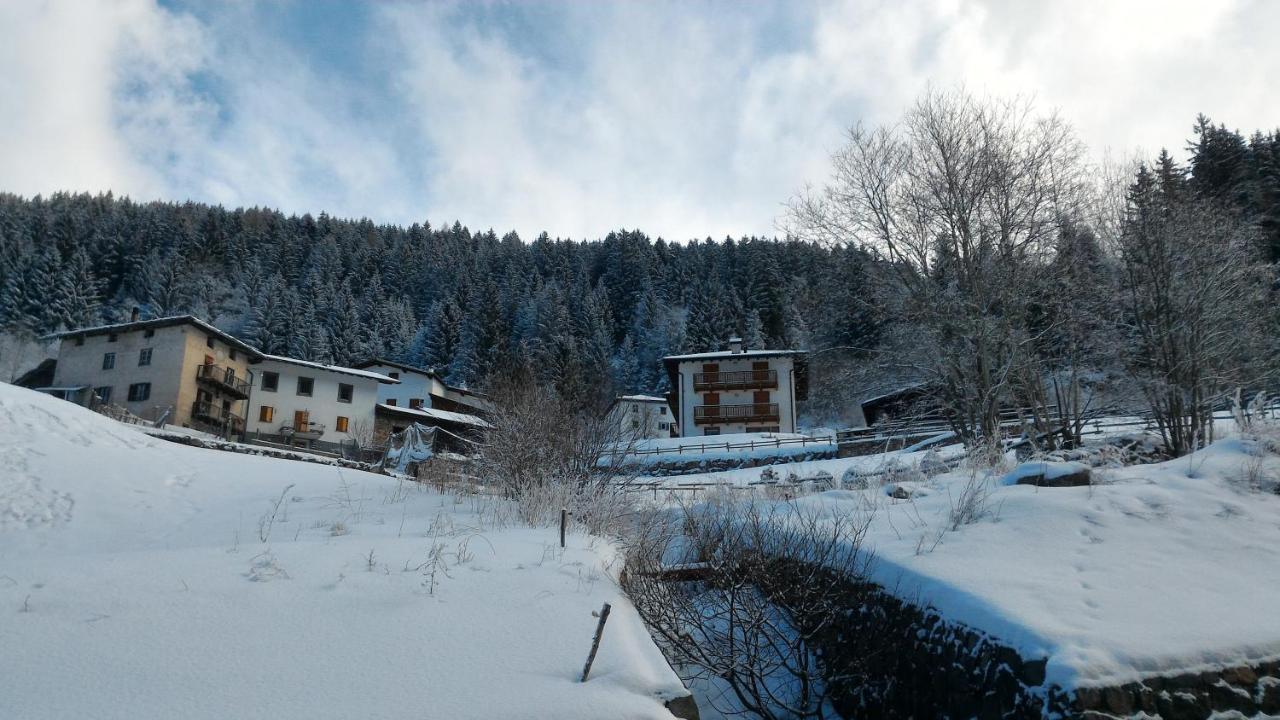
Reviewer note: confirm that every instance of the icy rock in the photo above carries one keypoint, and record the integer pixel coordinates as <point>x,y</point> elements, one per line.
<point>1049,474</point>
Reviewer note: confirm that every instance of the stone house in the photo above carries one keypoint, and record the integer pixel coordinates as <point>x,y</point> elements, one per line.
<point>179,370</point>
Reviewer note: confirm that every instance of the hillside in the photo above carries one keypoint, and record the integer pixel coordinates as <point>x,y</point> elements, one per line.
<point>140,578</point>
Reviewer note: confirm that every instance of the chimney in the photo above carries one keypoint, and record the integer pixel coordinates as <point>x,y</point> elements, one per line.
<point>735,345</point>
<point>135,314</point>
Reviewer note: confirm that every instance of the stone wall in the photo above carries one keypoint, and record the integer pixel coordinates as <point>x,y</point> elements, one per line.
<point>674,464</point>
<point>1248,690</point>
<point>890,658</point>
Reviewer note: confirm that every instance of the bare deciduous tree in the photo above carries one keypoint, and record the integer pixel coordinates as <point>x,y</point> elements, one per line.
<point>962,201</point>
<point>543,449</point>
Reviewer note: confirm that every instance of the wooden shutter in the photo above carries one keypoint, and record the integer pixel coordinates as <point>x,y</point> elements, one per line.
<point>300,420</point>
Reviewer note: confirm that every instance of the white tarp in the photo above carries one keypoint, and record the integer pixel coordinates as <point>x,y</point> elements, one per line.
<point>414,445</point>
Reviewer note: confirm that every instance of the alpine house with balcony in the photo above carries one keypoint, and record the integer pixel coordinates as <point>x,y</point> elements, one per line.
<point>178,370</point>
<point>736,390</point>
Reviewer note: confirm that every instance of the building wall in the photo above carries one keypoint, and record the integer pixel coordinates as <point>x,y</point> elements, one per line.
<point>200,346</point>
<point>412,386</point>
<point>640,419</point>
<point>176,352</point>
<point>784,395</point>
<point>322,405</point>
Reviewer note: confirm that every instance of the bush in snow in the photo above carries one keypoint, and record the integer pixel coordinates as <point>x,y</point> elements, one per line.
<point>853,480</point>
<point>769,475</point>
<point>931,464</point>
<point>739,595</point>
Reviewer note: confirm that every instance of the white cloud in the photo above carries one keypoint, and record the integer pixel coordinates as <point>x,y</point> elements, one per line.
<point>685,121</point>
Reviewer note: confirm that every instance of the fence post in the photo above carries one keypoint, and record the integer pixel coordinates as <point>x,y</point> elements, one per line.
<point>595,642</point>
<point>564,520</point>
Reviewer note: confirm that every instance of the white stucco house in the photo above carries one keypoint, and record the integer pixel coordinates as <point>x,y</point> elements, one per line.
<point>737,390</point>
<point>421,396</point>
<point>643,417</point>
<point>296,401</point>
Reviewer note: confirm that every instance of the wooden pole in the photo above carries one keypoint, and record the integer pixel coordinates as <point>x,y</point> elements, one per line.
<point>595,642</point>
<point>564,520</point>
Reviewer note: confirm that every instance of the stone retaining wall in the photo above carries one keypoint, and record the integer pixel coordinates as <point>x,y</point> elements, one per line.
<point>888,658</point>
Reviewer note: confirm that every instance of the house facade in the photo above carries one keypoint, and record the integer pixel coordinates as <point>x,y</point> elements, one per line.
<point>323,406</point>
<point>737,390</point>
<point>421,396</point>
<point>178,369</point>
<point>643,417</point>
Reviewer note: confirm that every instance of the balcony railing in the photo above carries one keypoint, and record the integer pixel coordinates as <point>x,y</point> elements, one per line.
<point>736,380</point>
<point>212,414</point>
<point>225,379</point>
<point>744,413</point>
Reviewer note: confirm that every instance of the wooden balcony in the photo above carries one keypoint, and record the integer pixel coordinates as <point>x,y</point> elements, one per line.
<point>224,379</point>
<point>736,380</point>
<point>213,415</point>
<point>744,413</point>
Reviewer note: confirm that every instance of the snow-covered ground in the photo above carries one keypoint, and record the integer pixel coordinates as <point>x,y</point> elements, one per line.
<point>836,467</point>
<point>1167,567</point>
<point>135,582</point>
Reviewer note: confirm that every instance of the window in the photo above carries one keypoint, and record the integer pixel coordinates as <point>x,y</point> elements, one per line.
<point>144,357</point>
<point>341,425</point>
<point>209,341</point>
<point>663,426</point>
<point>266,413</point>
<point>104,394</point>
<point>79,341</point>
<point>394,375</point>
<point>415,403</point>
<point>305,385</point>
<point>635,407</point>
<point>760,397</point>
<point>345,392</point>
<point>108,361</point>
<point>662,409</point>
<point>635,424</point>
<point>113,337</point>
<point>713,430</point>
<point>391,402</point>
<point>233,354</point>
<point>270,381</point>
<point>139,392</point>
<point>149,333</point>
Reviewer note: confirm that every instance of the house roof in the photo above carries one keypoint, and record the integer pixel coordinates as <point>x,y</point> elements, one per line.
<point>445,416</point>
<point>419,370</point>
<point>333,368</point>
<point>640,398</point>
<point>154,323</point>
<point>730,355</point>
<point>399,366</point>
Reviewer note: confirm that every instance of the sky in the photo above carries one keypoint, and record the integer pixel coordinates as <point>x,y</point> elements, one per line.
<point>684,120</point>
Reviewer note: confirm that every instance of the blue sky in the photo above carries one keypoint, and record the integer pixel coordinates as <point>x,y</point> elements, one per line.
<point>683,119</point>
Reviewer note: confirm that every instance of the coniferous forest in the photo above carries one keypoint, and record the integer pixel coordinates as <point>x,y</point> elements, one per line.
<point>580,314</point>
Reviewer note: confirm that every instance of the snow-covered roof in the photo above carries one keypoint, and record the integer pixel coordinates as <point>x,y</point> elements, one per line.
<point>641,398</point>
<point>161,322</point>
<point>722,354</point>
<point>434,414</point>
<point>333,368</point>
